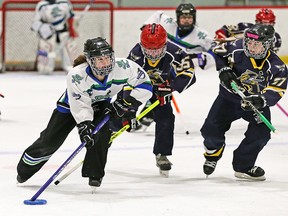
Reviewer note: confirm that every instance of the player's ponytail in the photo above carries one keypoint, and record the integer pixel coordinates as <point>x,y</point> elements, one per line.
<point>79,60</point>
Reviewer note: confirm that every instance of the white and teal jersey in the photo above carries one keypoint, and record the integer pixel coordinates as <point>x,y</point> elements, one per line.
<point>197,41</point>
<point>84,89</point>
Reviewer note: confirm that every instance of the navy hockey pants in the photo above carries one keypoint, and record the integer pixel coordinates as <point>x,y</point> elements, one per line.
<point>222,113</point>
<point>164,129</point>
<point>50,140</point>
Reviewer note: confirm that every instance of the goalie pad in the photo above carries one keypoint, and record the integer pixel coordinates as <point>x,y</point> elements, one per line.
<point>46,56</point>
<point>46,31</point>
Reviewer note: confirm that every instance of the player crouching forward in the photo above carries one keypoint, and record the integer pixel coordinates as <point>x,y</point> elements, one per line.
<point>262,77</point>
<point>95,78</point>
<point>170,69</point>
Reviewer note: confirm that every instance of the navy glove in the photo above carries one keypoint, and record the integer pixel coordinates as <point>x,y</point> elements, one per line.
<point>258,101</point>
<point>163,93</point>
<point>85,130</point>
<point>226,76</point>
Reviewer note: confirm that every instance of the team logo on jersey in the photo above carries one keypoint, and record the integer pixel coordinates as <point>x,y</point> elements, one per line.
<point>76,79</point>
<point>123,64</point>
<point>155,76</point>
<point>102,97</point>
<point>281,68</point>
<point>141,74</point>
<point>251,81</point>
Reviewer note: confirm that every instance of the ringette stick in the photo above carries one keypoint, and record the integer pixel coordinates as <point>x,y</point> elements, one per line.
<point>258,113</point>
<point>33,200</point>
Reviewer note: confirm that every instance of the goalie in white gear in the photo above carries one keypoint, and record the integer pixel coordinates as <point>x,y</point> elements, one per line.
<point>53,21</point>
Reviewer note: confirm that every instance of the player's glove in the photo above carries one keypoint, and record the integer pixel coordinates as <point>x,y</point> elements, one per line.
<point>201,57</point>
<point>226,76</point>
<point>220,34</point>
<point>163,93</point>
<point>258,101</point>
<point>85,130</point>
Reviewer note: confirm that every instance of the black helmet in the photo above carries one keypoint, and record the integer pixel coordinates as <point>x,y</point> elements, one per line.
<point>98,47</point>
<point>260,33</point>
<point>186,9</point>
<point>51,1</point>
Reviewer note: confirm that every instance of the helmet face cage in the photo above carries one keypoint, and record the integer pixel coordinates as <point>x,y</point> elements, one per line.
<point>257,41</point>
<point>265,16</point>
<point>153,41</point>
<point>96,48</point>
<point>186,9</point>
<point>103,70</point>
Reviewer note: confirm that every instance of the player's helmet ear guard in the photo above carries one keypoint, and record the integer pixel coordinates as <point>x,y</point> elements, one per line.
<point>265,16</point>
<point>99,47</point>
<point>153,41</point>
<point>186,9</point>
<point>260,33</point>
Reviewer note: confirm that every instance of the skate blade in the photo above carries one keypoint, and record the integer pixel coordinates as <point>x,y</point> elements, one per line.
<point>164,173</point>
<point>245,177</point>
<point>93,189</point>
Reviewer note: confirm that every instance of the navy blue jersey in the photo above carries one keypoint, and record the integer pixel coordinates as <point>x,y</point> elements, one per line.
<point>176,67</point>
<point>237,31</point>
<point>266,76</point>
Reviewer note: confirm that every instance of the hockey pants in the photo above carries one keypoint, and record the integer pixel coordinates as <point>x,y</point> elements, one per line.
<point>218,122</point>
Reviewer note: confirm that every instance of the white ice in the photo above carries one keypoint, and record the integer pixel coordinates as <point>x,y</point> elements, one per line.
<point>132,185</point>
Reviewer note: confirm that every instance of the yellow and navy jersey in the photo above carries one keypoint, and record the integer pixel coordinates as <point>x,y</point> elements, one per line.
<point>175,67</point>
<point>266,76</point>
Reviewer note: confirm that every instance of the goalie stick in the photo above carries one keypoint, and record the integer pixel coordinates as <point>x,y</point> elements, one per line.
<point>115,135</point>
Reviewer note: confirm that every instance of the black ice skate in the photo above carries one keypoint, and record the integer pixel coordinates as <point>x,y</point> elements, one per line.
<point>212,156</point>
<point>254,174</point>
<point>164,165</point>
<point>94,183</point>
<point>20,179</point>
<point>209,167</point>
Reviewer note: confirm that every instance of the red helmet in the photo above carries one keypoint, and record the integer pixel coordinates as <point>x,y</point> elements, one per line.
<point>265,16</point>
<point>153,41</point>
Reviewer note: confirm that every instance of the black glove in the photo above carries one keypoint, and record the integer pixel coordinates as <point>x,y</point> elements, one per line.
<point>123,107</point>
<point>85,130</point>
<point>258,101</point>
<point>163,93</point>
<point>226,76</point>
<point>202,59</point>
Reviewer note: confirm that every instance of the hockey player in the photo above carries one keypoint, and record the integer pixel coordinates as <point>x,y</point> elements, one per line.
<point>53,21</point>
<point>264,16</point>
<point>170,69</point>
<point>184,33</point>
<point>262,77</point>
<point>95,78</point>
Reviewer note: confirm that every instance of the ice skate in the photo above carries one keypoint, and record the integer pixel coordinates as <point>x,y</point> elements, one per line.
<point>95,183</point>
<point>164,165</point>
<point>209,167</point>
<point>254,174</point>
<point>20,179</point>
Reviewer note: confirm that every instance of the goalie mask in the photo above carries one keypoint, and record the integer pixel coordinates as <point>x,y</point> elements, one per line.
<point>258,40</point>
<point>265,16</point>
<point>153,41</point>
<point>99,55</point>
<point>186,11</point>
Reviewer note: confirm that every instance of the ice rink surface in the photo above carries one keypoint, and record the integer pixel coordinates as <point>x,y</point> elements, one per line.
<point>132,185</point>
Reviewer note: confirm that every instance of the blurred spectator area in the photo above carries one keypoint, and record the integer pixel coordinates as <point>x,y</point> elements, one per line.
<point>175,3</point>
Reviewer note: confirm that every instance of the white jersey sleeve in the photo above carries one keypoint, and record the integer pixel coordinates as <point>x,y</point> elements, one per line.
<point>154,18</point>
